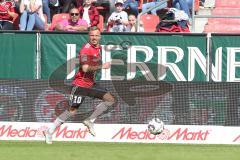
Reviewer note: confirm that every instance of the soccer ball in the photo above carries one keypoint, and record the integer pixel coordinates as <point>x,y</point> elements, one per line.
<point>155,126</point>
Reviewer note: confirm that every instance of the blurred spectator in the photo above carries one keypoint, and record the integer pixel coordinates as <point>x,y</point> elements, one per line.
<point>201,3</point>
<point>89,13</point>
<point>53,2</point>
<point>132,24</point>
<point>118,20</point>
<point>68,4</point>
<point>46,10</point>
<point>17,5</point>
<point>31,15</point>
<point>74,23</point>
<point>105,7</point>
<point>63,6</point>
<point>148,5</point>
<point>132,5</point>
<point>7,13</point>
<point>184,5</point>
<point>174,21</point>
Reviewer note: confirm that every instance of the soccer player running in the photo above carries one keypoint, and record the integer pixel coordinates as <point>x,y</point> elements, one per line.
<point>84,85</point>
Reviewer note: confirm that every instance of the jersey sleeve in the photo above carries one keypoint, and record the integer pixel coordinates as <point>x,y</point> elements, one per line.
<point>85,55</point>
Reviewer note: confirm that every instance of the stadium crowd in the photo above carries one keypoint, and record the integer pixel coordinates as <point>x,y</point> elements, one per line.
<point>109,15</point>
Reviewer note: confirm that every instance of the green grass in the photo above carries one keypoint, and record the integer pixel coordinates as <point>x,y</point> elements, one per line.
<point>12,150</point>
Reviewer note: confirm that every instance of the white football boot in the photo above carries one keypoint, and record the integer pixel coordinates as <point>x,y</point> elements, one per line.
<point>48,137</point>
<point>89,125</point>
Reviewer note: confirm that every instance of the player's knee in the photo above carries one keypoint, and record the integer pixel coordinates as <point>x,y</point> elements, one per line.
<point>114,100</point>
<point>109,99</point>
<point>72,109</point>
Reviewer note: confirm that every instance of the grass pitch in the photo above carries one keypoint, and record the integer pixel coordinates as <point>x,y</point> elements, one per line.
<point>12,150</point>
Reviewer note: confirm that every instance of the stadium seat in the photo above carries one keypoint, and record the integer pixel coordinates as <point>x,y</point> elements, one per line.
<point>227,3</point>
<point>150,21</point>
<point>226,11</point>
<point>222,28</point>
<point>224,25</point>
<point>56,18</point>
<point>223,21</point>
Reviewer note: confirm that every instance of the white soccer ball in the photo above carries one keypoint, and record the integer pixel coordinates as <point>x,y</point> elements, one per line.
<point>155,126</point>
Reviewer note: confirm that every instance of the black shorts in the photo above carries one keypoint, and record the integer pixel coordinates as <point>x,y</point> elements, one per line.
<point>78,94</point>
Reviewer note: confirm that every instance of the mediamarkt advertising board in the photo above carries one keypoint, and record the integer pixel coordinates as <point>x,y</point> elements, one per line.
<point>132,133</point>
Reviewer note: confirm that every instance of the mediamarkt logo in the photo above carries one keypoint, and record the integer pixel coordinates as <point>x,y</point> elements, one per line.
<point>179,134</point>
<point>9,131</point>
<point>237,139</point>
<point>28,132</point>
<point>68,133</point>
